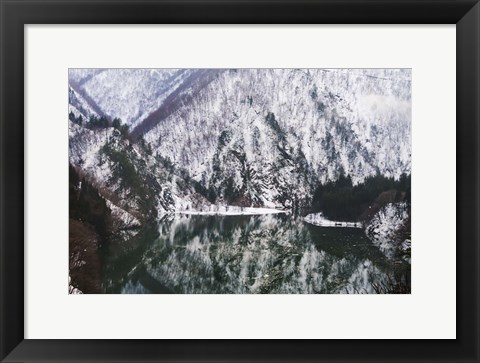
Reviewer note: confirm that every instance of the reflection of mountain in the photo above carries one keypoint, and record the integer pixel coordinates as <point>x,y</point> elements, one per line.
<point>258,254</point>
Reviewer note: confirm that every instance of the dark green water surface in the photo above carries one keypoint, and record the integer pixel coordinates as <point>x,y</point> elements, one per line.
<point>249,254</point>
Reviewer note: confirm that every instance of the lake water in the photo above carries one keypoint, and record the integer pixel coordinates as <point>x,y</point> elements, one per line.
<point>249,254</point>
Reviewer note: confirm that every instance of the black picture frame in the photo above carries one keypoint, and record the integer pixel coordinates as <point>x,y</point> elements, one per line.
<point>15,14</point>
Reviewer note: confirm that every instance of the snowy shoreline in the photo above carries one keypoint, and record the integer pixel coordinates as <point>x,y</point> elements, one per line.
<point>318,219</point>
<point>232,211</point>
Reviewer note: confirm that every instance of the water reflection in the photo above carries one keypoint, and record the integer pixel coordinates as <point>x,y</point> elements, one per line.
<point>254,254</point>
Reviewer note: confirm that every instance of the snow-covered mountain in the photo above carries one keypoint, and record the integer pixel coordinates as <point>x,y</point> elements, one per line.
<point>247,137</point>
<point>151,149</point>
<point>136,185</point>
<point>128,94</point>
<point>269,135</point>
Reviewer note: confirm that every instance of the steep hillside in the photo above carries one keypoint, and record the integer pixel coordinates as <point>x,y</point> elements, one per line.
<point>247,137</point>
<point>267,137</point>
<point>137,185</point>
<point>128,94</point>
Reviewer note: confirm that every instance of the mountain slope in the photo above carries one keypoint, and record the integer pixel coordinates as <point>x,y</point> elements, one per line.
<point>247,137</point>
<point>127,175</point>
<point>128,94</point>
<point>266,136</point>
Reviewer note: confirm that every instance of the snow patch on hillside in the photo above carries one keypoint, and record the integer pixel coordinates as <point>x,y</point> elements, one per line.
<point>318,219</point>
<point>231,210</point>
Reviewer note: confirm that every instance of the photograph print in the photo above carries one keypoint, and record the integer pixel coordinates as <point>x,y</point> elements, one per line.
<point>239,181</point>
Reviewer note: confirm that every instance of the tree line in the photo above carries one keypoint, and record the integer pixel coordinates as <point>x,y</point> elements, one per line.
<point>341,200</point>
<point>95,123</point>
